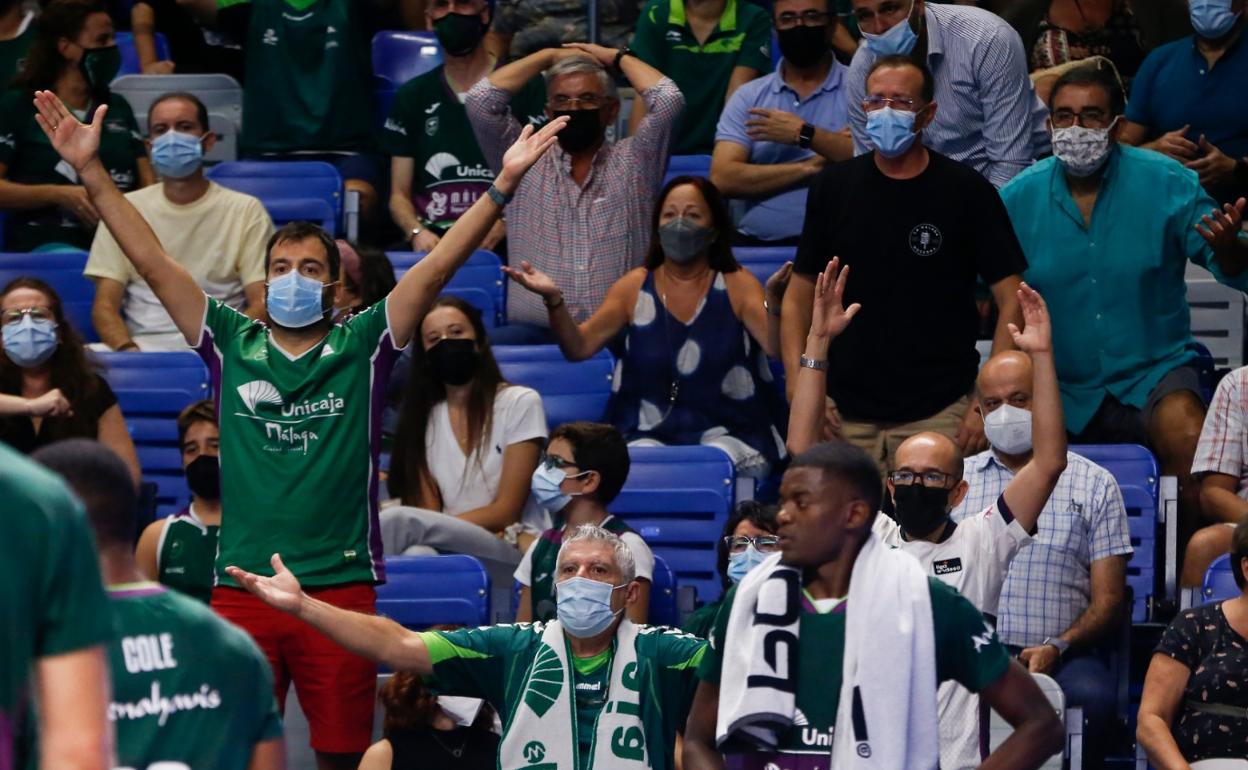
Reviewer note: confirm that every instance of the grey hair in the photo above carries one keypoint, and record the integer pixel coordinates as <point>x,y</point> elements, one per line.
<point>574,65</point>
<point>594,533</point>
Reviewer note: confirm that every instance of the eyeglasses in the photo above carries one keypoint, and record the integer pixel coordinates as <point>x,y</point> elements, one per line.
<point>1089,118</point>
<point>555,462</point>
<point>811,18</point>
<point>927,478</point>
<point>903,103</point>
<point>14,315</point>
<point>762,543</point>
<point>560,103</point>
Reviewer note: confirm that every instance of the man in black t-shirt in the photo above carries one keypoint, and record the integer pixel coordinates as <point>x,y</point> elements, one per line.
<point>918,229</point>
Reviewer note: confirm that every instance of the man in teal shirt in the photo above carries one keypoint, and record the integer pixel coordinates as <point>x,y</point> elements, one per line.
<point>1108,230</point>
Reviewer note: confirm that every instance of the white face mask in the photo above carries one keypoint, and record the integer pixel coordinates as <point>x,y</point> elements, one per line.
<point>1008,429</point>
<point>463,710</point>
<point>1082,150</point>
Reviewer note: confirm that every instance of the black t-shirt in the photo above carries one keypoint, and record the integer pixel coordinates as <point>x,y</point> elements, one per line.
<point>430,749</point>
<point>193,49</point>
<point>18,431</point>
<point>916,247</point>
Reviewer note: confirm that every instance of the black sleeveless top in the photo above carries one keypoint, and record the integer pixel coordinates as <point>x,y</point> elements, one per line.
<point>429,749</point>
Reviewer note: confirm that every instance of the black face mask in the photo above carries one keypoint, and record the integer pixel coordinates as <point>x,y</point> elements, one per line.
<point>459,33</point>
<point>203,476</point>
<point>920,509</point>
<point>454,361</point>
<point>99,66</point>
<point>583,130</point>
<point>803,46</point>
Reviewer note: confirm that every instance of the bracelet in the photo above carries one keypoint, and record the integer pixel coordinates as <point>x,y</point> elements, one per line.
<point>130,345</point>
<point>497,196</point>
<point>770,311</point>
<point>554,306</point>
<point>810,363</point>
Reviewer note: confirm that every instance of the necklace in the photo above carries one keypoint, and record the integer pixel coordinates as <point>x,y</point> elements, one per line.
<point>673,391</point>
<point>456,752</point>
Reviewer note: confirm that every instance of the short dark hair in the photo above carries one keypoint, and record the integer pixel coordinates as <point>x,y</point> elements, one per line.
<point>598,447</point>
<point>849,465</point>
<point>299,231</point>
<point>761,515</point>
<point>898,61</point>
<point>1239,552</point>
<point>102,482</point>
<point>200,411</point>
<point>1095,74</point>
<point>201,112</point>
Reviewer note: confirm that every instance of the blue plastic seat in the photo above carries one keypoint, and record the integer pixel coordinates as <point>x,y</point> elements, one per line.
<point>688,165</point>
<point>290,190</point>
<point>479,282</point>
<point>130,55</point>
<point>424,591</point>
<point>678,499</point>
<point>62,270</point>
<point>397,58</point>
<point>570,390</point>
<point>762,261</point>
<point>1219,582</point>
<point>663,607</point>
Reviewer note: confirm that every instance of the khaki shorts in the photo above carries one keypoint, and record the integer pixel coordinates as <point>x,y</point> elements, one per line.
<point>881,439</point>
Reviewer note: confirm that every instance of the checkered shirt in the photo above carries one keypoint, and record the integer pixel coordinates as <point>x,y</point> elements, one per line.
<point>1223,445</point>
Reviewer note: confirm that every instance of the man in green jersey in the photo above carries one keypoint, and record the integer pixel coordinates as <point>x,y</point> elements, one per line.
<point>190,690</point>
<point>588,690</point>
<point>299,402</point>
<point>829,498</point>
<point>55,623</point>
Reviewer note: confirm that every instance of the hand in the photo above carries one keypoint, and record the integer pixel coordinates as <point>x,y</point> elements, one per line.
<point>534,280</point>
<point>425,240</point>
<point>831,428</point>
<point>1214,166</point>
<point>599,53</point>
<point>777,284</point>
<point>1037,335</point>
<point>282,591</point>
<point>773,126</point>
<point>77,143</point>
<point>521,156</point>
<point>1221,228</point>
<point>970,436</point>
<point>496,234</point>
<point>1040,660</point>
<point>1177,145</point>
<point>75,199</point>
<point>159,68</point>
<point>830,317</point>
<point>50,404</point>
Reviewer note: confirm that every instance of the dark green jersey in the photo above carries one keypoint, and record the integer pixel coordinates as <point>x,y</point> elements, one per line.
<point>701,620</point>
<point>967,650</point>
<point>493,663</point>
<point>428,123</point>
<point>13,51</point>
<point>186,554</point>
<point>189,688</point>
<point>51,600</point>
<point>29,159</point>
<point>665,41</point>
<point>307,75</point>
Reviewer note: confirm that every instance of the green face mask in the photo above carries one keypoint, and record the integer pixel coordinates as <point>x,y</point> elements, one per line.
<point>99,66</point>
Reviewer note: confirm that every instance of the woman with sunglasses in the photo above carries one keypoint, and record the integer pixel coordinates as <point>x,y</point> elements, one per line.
<point>749,537</point>
<point>48,389</point>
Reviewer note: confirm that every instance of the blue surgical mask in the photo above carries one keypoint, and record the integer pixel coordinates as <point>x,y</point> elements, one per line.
<point>176,155</point>
<point>30,341</point>
<point>740,564</point>
<point>584,606</point>
<point>295,300</point>
<point>897,40</point>
<point>1212,19</point>
<point>547,487</point>
<point>891,131</point>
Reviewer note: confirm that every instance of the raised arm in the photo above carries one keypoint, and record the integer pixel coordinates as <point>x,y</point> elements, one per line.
<point>580,341</point>
<point>1027,493</point>
<point>421,285</point>
<point>369,636</point>
<point>829,319</point>
<point>79,145</point>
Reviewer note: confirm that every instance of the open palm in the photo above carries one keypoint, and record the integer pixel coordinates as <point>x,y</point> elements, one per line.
<point>531,145</point>
<point>281,591</point>
<point>830,316</point>
<point>75,141</point>
<point>532,279</point>
<point>1037,334</point>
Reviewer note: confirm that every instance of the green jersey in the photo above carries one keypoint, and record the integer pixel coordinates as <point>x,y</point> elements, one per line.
<point>300,436</point>
<point>493,663</point>
<point>665,41</point>
<point>189,688</point>
<point>13,51</point>
<point>29,158</point>
<point>307,66</point>
<point>186,554</point>
<point>961,654</point>
<point>701,620</point>
<point>428,123</point>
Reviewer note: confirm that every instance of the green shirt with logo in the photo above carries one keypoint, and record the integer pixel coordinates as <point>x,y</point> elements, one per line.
<point>428,123</point>
<point>186,554</point>
<point>189,689</point>
<point>493,663</point>
<point>300,438</point>
<point>13,51</point>
<point>967,650</point>
<point>665,41</point>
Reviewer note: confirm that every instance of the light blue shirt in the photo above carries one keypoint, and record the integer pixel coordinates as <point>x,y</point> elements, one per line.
<point>1115,287</point>
<point>781,216</point>
<point>987,113</point>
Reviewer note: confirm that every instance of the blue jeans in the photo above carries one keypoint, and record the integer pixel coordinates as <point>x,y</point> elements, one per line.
<point>520,334</point>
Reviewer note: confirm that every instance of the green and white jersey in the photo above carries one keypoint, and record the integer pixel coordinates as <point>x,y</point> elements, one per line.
<point>190,690</point>
<point>13,51</point>
<point>967,651</point>
<point>186,554</point>
<point>300,437</point>
<point>51,600</point>
<point>428,123</point>
<point>493,663</point>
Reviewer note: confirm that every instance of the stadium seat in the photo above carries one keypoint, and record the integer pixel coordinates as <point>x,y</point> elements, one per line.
<point>678,499</point>
<point>221,94</point>
<point>570,390</point>
<point>688,165</point>
<point>397,58</point>
<point>663,608</point>
<point>762,261</point>
<point>130,55</point>
<point>1217,318</point>
<point>63,271</point>
<point>479,282</point>
<point>289,190</point>
<point>424,591</point>
<point>1219,582</point>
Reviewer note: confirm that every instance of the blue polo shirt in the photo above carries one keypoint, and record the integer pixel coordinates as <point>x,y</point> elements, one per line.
<point>1114,288</point>
<point>781,216</point>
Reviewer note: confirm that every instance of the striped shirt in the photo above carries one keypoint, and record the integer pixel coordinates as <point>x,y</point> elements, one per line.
<point>584,237</point>
<point>1223,446</point>
<point>988,115</point>
<point>1049,585</point>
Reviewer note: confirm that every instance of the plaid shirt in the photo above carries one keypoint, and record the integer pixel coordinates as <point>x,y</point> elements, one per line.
<point>1223,446</point>
<point>1049,585</point>
<point>584,237</point>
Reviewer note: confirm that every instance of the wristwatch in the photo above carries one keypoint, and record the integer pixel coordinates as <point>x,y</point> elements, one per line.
<point>806,136</point>
<point>1056,641</point>
<point>810,363</point>
<point>619,57</point>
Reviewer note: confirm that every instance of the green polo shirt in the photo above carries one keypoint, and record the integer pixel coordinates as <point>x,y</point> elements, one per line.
<point>665,41</point>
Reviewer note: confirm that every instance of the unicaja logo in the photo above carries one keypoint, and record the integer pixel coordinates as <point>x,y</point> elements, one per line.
<point>258,392</point>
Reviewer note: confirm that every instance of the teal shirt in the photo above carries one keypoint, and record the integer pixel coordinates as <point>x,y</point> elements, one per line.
<point>1114,288</point>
